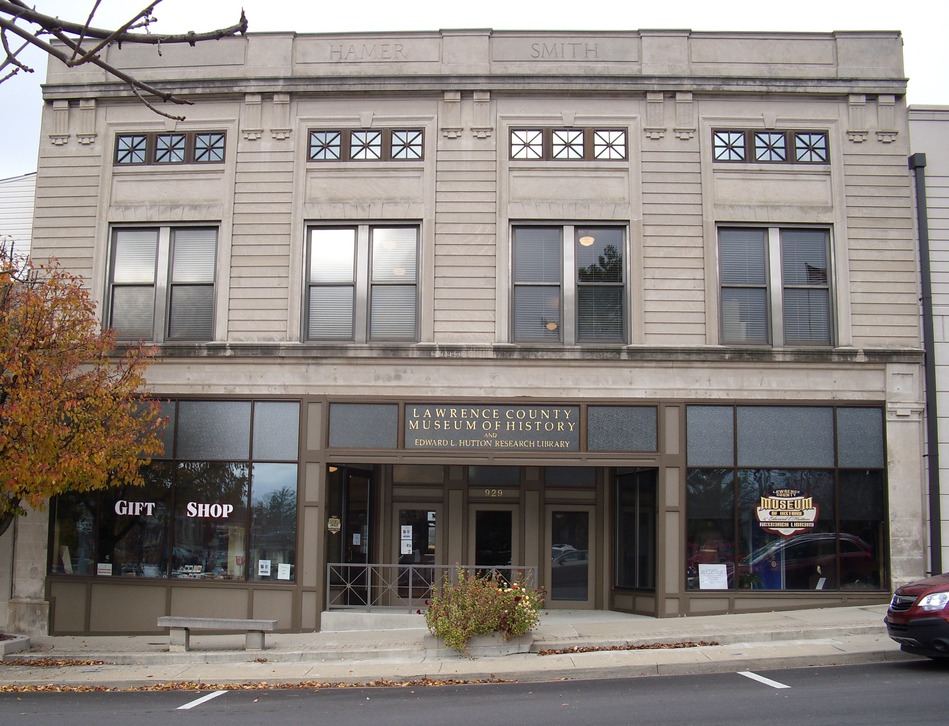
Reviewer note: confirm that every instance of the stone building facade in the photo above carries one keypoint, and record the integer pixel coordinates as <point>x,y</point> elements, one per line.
<point>637,311</point>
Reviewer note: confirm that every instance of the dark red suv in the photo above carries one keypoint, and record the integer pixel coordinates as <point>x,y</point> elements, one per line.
<point>918,617</point>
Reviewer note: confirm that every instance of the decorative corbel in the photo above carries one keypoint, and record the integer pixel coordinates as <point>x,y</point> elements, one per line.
<point>60,134</point>
<point>857,108</point>
<point>655,127</point>
<point>253,117</point>
<point>87,121</point>
<point>482,126</point>
<point>685,116</point>
<point>281,117</point>
<point>886,119</point>
<point>451,115</point>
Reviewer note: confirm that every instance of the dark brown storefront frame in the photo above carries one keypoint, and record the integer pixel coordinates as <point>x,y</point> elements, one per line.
<point>298,605</point>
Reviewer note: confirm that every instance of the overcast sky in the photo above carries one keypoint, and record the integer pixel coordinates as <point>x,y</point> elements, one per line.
<point>924,24</point>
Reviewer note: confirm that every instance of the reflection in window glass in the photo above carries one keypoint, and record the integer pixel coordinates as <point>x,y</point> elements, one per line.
<point>600,288</point>
<point>636,529</point>
<point>74,520</point>
<point>570,555</point>
<point>133,525</point>
<point>790,528</point>
<point>210,521</point>
<point>230,519</point>
<point>863,531</point>
<point>770,560</point>
<point>710,534</point>
<point>273,536</point>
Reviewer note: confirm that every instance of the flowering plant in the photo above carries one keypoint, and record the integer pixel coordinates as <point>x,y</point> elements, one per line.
<point>469,605</point>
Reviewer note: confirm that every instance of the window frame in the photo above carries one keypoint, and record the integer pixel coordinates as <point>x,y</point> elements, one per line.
<point>393,144</point>
<point>749,146</point>
<point>570,285</point>
<point>251,443</point>
<point>148,144</point>
<point>776,287</point>
<point>363,284</point>
<point>565,143</point>
<point>163,283</point>
<point>830,450</point>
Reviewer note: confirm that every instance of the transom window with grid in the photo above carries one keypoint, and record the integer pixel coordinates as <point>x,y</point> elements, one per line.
<point>573,144</point>
<point>362,283</point>
<point>775,286</point>
<point>175,147</point>
<point>162,283</point>
<point>569,284</point>
<point>771,147</point>
<point>366,145</point>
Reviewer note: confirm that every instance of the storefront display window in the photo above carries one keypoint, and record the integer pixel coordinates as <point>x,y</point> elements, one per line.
<point>133,526</point>
<point>273,519</point>
<point>210,532</point>
<point>790,526</point>
<point>211,509</point>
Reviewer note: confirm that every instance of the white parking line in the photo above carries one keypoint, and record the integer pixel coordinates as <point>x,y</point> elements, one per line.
<point>199,701</point>
<point>762,679</point>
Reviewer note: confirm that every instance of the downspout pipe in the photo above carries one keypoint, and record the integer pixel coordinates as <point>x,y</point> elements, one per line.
<point>917,163</point>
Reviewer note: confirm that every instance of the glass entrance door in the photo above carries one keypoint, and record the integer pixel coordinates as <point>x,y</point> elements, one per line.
<point>349,511</point>
<point>570,569</point>
<point>493,539</point>
<point>418,548</point>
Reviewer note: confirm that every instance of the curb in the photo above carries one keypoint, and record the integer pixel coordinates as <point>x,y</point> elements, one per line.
<point>526,675</point>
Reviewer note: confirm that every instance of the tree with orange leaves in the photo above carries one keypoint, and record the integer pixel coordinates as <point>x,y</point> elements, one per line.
<point>72,417</point>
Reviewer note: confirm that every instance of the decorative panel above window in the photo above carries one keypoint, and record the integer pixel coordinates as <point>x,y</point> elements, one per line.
<point>775,286</point>
<point>569,284</point>
<point>162,283</point>
<point>573,144</point>
<point>164,148</point>
<point>366,145</point>
<point>771,147</point>
<point>362,283</point>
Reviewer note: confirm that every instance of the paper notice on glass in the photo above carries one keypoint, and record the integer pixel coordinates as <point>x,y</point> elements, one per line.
<point>406,547</point>
<point>713,577</point>
<point>283,571</point>
<point>263,568</point>
<point>406,531</point>
<point>103,568</point>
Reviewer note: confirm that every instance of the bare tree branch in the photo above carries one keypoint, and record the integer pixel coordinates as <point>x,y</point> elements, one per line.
<point>85,42</point>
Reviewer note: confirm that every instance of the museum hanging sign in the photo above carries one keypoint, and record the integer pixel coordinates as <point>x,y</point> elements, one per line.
<point>786,512</point>
<point>498,428</point>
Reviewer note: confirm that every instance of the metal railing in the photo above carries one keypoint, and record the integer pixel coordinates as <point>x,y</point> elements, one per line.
<point>405,587</point>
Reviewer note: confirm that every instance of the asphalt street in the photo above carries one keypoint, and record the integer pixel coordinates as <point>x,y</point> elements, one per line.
<point>912,691</point>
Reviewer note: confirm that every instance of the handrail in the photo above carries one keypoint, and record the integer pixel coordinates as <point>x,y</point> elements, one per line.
<point>392,586</point>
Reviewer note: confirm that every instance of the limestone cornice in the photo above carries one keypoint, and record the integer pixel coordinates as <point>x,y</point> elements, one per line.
<point>496,84</point>
<point>393,352</point>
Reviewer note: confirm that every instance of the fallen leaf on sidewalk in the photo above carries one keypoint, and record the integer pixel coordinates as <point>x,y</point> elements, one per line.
<point>51,662</point>
<point>646,646</point>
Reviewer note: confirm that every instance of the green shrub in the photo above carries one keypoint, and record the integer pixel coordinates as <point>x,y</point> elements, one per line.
<point>470,606</point>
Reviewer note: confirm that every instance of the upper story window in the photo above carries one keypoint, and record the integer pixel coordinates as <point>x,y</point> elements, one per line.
<point>179,147</point>
<point>569,284</point>
<point>545,144</point>
<point>162,283</point>
<point>366,145</point>
<point>775,286</point>
<point>362,283</point>
<point>768,147</point>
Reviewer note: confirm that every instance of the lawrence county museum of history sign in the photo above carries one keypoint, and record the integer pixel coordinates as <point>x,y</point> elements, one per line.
<point>504,428</point>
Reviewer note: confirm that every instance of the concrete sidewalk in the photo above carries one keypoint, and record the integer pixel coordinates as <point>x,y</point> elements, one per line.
<point>828,636</point>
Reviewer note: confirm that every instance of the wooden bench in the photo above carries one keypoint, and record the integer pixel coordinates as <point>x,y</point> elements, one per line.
<point>179,635</point>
